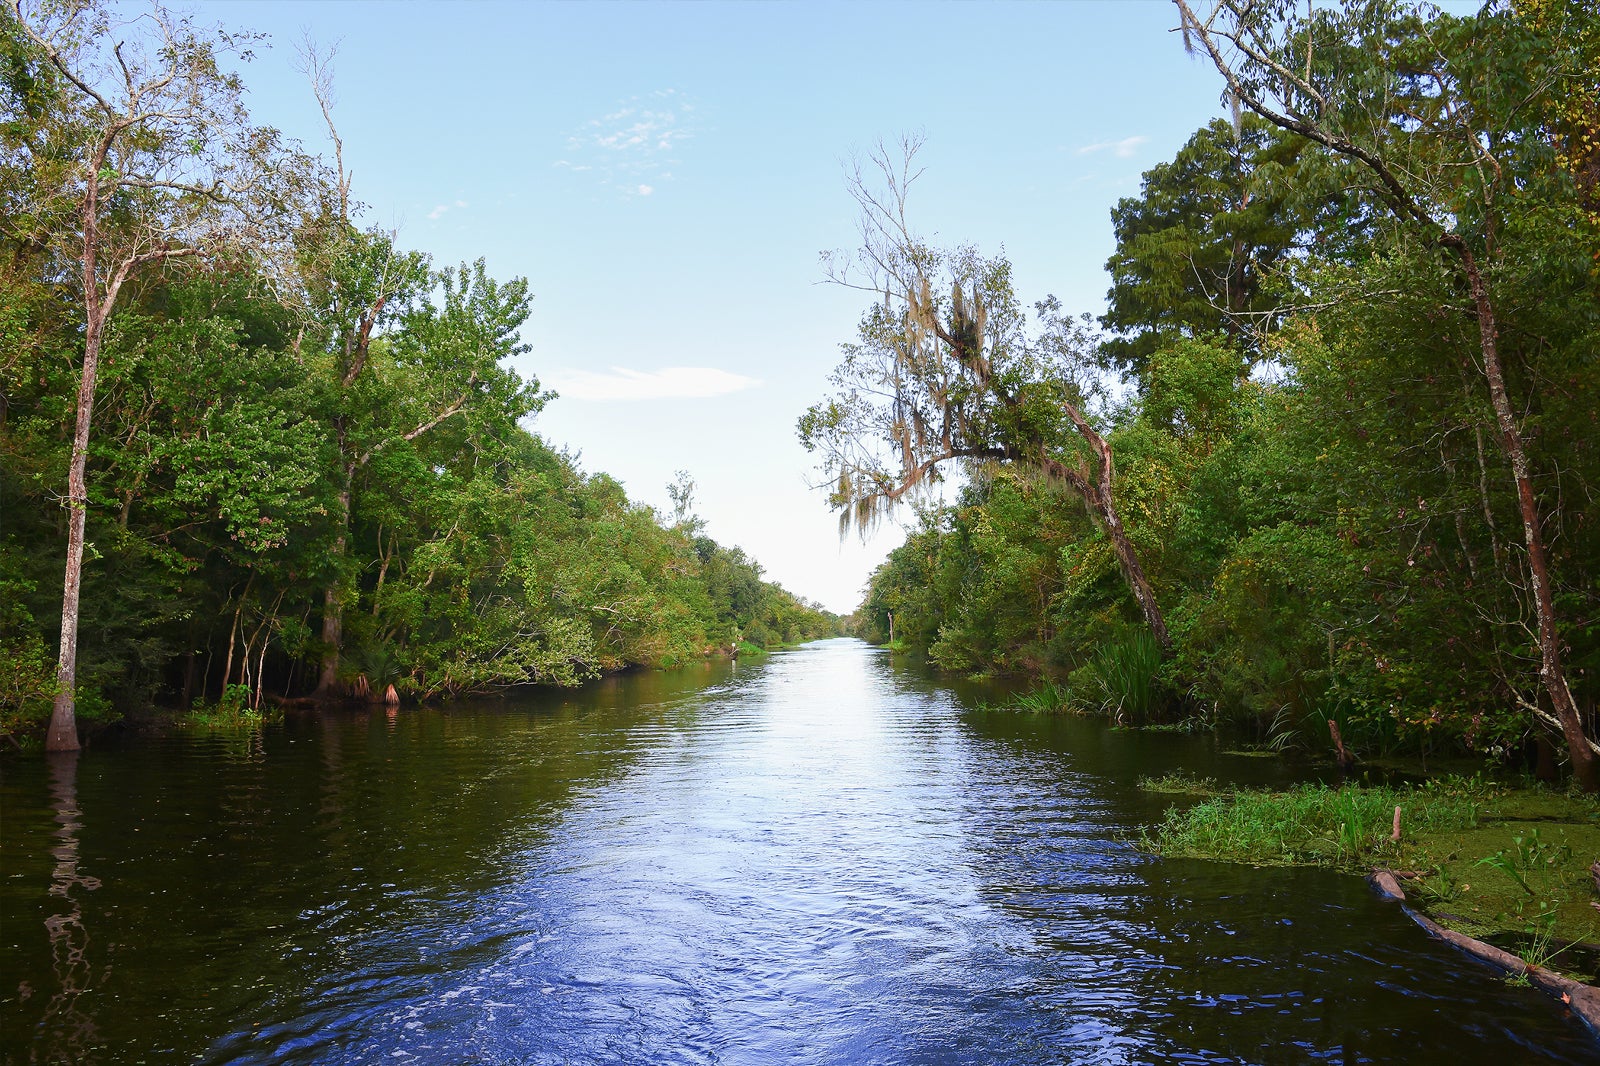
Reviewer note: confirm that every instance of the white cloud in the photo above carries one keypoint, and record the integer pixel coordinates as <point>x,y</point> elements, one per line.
<point>1122,149</point>
<point>439,210</point>
<point>669,383</point>
<point>632,147</point>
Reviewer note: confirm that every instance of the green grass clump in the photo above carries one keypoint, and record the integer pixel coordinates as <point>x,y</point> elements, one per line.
<point>1310,824</point>
<point>1047,697</point>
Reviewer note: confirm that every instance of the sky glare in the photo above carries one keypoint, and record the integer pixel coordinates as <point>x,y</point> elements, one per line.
<point>666,175</point>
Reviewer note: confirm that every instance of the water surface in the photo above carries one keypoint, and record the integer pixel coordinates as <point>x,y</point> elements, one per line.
<point>821,858</point>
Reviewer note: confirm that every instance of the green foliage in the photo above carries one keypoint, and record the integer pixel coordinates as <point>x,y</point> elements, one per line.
<point>247,464</point>
<point>235,708</point>
<point>1308,825</point>
<point>1196,249</point>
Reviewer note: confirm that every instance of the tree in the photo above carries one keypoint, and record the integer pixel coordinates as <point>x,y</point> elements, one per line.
<point>939,379</point>
<point>1450,121</point>
<point>139,153</point>
<point>1196,248</point>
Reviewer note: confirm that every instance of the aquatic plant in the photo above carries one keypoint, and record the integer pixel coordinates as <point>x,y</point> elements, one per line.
<point>1535,866</point>
<point>1123,678</point>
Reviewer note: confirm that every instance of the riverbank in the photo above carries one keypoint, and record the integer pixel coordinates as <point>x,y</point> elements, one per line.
<point>1508,866</point>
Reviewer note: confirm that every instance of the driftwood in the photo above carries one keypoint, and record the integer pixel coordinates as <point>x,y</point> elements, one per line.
<point>1582,999</point>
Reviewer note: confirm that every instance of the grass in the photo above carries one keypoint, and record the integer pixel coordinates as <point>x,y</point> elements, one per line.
<point>1125,673</point>
<point>1510,866</point>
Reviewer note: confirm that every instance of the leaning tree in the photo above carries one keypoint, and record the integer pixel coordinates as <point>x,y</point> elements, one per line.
<point>945,372</point>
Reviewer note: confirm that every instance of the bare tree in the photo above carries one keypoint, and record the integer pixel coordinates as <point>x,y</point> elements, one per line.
<point>144,156</point>
<point>944,373</point>
<point>1433,158</point>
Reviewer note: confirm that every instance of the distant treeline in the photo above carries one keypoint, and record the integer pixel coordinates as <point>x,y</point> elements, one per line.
<point>1352,466</point>
<point>308,470</point>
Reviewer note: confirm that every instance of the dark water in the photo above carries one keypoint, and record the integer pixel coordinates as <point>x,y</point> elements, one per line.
<point>819,859</point>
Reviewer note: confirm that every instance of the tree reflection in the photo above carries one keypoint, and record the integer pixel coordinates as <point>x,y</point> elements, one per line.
<point>66,1032</point>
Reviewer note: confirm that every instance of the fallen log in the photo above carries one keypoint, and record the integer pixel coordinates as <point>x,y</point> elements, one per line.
<point>1582,999</point>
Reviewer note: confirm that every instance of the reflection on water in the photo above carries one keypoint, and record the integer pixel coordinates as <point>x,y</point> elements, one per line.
<point>66,1030</point>
<point>818,859</point>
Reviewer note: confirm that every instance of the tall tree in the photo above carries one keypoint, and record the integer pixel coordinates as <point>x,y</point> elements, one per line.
<point>1195,248</point>
<point>940,379</point>
<point>141,154</point>
<point>1449,121</point>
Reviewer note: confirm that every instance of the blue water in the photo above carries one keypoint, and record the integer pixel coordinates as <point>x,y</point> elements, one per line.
<point>819,858</point>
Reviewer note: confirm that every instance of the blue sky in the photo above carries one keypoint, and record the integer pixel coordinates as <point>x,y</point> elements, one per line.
<point>666,175</point>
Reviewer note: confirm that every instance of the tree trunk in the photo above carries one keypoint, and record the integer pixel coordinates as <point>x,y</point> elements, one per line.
<point>188,676</point>
<point>63,734</point>
<point>1551,673</point>
<point>1097,495</point>
<point>333,599</point>
<point>1137,582</point>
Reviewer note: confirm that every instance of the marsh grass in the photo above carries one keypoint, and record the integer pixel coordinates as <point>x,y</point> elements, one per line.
<point>1309,824</point>
<point>1506,865</point>
<point>1540,870</point>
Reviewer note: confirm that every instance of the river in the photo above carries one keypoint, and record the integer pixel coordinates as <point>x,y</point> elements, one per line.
<point>821,857</point>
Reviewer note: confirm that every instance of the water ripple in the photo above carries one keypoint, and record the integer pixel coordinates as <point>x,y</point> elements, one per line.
<point>820,859</point>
